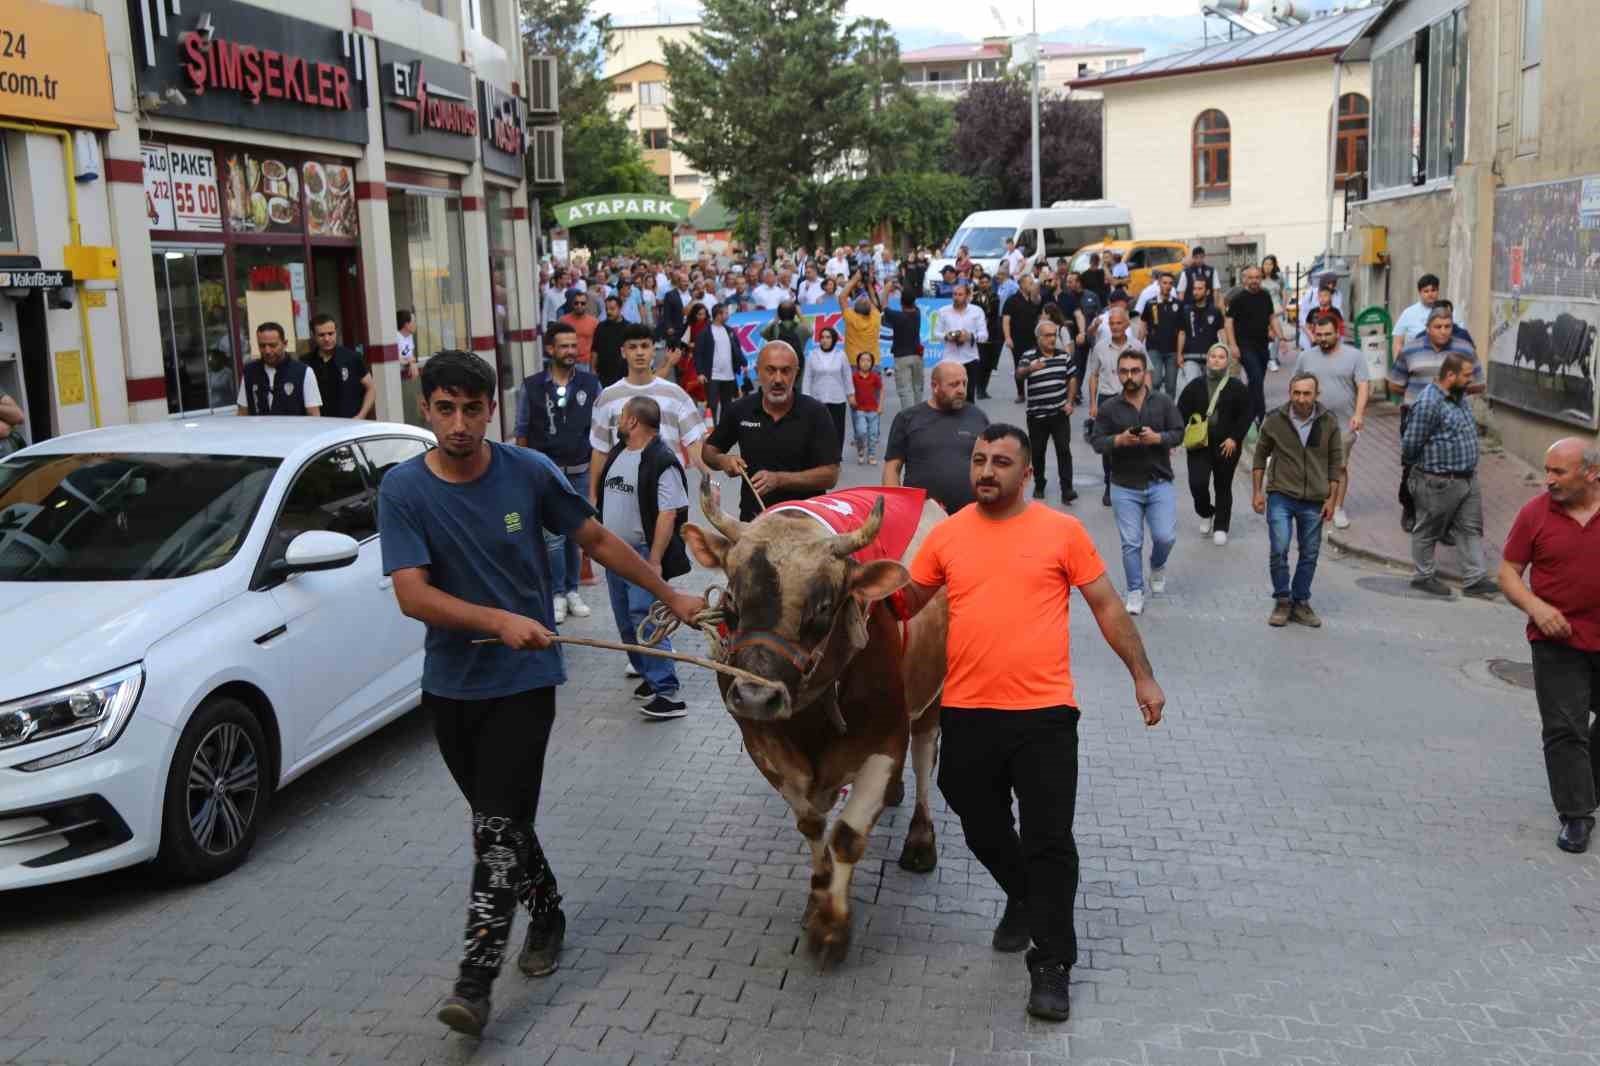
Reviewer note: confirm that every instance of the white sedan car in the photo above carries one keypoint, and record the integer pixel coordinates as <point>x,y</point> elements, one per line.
<point>192,614</point>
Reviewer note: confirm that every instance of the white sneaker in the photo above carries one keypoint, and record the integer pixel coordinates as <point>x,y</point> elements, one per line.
<point>561,609</point>
<point>1136,601</point>
<point>1220,537</point>
<point>1272,364</point>
<point>576,605</point>
<point>1340,519</point>
<point>1158,581</point>
<point>1205,526</point>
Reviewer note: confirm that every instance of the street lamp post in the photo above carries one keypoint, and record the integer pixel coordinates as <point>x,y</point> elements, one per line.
<point>1037,59</point>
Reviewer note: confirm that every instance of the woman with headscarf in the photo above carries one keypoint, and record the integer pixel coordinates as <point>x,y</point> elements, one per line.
<point>1223,402</point>
<point>827,379</point>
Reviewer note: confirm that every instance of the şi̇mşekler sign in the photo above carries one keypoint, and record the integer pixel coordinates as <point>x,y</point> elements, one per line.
<point>630,207</point>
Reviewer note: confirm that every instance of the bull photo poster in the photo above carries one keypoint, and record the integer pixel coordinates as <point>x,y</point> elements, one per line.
<point>1546,286</point>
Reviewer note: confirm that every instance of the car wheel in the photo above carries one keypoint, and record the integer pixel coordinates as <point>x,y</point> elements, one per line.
<point>217,790</point>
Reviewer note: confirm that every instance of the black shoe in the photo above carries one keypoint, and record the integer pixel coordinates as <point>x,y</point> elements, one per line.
<point>1574,835</point>
<point>466,1009</point>
<point>1047,989</point>
<point>1068,496</point>
<point>664,707</point>
<point>1038,491</point>
<point>1483,589</point>
<point>1432,586</point>
<point>1011,935</point>
<point>644,693</point>
<point>1105,498</point>
<point>542,950</point>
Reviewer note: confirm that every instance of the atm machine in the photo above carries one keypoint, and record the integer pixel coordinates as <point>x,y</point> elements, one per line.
<point>25,289</point>
<point>13,381</point>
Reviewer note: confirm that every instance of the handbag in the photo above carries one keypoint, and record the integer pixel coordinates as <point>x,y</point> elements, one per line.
<point>1197,434</point>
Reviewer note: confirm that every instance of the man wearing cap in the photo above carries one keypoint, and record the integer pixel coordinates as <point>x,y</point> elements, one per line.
<point>946,285</point>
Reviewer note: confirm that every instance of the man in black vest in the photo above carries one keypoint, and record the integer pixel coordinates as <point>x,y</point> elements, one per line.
<point>644,500</point>
<point>342,375</point>
<point>1196,269</point>
<point>277,383</point>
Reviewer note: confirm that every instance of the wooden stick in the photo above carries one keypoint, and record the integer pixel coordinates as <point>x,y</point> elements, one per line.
<point>643,649</point>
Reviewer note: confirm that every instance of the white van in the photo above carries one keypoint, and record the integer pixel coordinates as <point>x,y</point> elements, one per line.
<point>1054,231</point>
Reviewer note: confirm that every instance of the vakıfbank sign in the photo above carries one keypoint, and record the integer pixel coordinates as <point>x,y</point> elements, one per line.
<point>621,207</point>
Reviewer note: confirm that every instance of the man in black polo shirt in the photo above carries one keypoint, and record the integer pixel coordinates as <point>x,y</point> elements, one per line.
<point>1252,327</point>
<point>1202,325</point>
<point>1163,319</point>
<point>787,442</point>
<point>342,375</point>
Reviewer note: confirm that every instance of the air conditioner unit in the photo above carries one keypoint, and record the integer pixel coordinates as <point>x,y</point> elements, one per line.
<point>544,94</point>
<point>546,151</point>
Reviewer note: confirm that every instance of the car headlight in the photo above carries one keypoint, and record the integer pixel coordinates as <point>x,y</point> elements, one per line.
<point>100,707</point>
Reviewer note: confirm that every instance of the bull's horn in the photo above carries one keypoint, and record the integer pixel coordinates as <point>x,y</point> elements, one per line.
<point>849,543</point>
<point>711,507</point>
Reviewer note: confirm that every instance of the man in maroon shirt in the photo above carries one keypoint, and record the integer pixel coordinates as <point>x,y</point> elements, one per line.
<point>1558,536</point>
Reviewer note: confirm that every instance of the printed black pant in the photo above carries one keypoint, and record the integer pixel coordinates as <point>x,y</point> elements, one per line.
<point>1208,468</point>
<point>985,756</point>
<point>495,749</point>
<point>1043,430</point>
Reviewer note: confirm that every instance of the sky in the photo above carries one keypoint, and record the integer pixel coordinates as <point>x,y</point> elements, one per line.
<point>964,18</point>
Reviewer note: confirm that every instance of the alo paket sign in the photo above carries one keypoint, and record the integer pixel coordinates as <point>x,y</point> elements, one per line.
<point>505,130</point>
<point>53,65</point>
<point>617,207</point>
<point>242,65</point>
<point>427,104</point>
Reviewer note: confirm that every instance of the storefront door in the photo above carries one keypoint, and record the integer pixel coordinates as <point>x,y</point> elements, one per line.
<point>336,291</point>
<point>196,350</point>
<point>430,274</point>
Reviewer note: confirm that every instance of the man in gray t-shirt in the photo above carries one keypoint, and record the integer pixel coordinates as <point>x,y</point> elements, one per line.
<point>932,442</point>
<point>640,466</point>
<point>1343,386</point>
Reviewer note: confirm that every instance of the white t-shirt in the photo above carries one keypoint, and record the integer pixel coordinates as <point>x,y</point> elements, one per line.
<point>836,267</point>
<point>1014,261</point>
<point>1146,294</point>
<point>709,301</point>
<point>969,320</point>
<point>810,292</point>
<point>721,354</point>
<point>1413,320</point>
<point>308,387</point>
<point>681,424</point>
<point>406,346</point>
<point>768,297</point>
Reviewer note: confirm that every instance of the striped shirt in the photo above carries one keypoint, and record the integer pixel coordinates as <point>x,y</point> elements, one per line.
<point>681,422</point>
<point>1418,363</point>
<point>1047,386</point>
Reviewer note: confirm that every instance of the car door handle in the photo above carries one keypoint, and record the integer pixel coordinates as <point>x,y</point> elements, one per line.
<point>272,634</point>
<point>386,582</point>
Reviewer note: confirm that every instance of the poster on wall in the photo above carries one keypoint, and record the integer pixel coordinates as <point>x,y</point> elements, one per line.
<point>330,199</point>
<point>1545,279</point>
<point>180,188</point>
<point>263,194</point>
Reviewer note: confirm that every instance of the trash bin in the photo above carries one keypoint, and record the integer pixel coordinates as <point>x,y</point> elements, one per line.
<point>1373,327</point>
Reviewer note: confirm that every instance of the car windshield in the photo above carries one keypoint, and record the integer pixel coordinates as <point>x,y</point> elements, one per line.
<point>983,242</point>
<point>127,516</point>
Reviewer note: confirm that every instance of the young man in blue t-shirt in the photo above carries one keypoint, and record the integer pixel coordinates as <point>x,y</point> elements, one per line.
<point>461,533</point>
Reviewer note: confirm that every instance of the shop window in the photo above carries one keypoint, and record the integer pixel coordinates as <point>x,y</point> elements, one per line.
<point>488,19</point>
<point>1419,101</point>
<point>8,233</point>
<point>1212,157</point>
<point>655,139</point>
<point>1350,157</point>
<point>430,273</point>
<point>1528,90</point>
<point>505,293</point>
<point>653,93</point>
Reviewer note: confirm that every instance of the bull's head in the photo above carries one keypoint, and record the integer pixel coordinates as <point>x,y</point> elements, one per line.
<point>792,591</point>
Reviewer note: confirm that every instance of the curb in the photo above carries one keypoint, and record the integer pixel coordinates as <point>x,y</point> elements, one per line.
<point>1338,540</point>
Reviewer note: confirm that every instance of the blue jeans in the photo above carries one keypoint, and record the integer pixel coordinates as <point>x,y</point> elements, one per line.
<point>1164,373</point>
<point>1157,504</point>
<point>1305,516</point>
<point>629,605</point>
<point>866,430</point>
<point>1253,358</point>
<point>566,562</point>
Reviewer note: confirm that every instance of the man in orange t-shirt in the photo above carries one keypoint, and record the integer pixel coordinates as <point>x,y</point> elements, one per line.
<point>584,323</point>
<point>1010,714</point>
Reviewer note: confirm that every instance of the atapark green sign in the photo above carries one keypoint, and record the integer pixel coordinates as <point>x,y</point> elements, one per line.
<point>622,207</point>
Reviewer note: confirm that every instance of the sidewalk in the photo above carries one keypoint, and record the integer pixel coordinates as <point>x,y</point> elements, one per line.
<point>1373,505</point>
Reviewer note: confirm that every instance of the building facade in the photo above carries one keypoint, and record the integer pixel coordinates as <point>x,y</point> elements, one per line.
<point>271,163</point>
<point>1485,170</point>
<point>1243,147</point>
<point>636,73</point>
<point>950,69</point>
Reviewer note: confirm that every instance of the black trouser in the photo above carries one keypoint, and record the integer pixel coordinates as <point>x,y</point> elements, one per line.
<point>988,359</point>
<point>1080,372</point>
<point>1043,429</point>
<point>1408,506</point>
<point>985,756</point>
<point>495,751</point>
<point>719,394</point>
<point>1207,469</point>
<point>1016,362</point>
<point>1253,356</point>
<point>1567,684</point>
<point>840,413</point>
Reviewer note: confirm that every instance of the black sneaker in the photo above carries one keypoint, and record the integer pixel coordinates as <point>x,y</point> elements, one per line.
<point>1105,498</point>
<point>466,1009</point>
<point>1047,989</point>
<point>1484,589</point>
<point>1011,935</point>
<point>644,692</point>
<point>1069,496</point>
<point>664,707</point>
<point>1433,587</point>
<point>542,949</point>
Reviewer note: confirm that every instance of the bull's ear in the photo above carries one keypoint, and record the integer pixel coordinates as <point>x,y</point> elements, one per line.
<point>709,548</point>
<point>874,581</point>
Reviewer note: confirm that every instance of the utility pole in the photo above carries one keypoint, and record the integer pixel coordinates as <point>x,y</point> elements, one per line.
<point>1038,56</point>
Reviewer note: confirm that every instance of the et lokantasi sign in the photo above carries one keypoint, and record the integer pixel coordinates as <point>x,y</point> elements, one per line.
<point>180,188</point>
<point>621,207</point>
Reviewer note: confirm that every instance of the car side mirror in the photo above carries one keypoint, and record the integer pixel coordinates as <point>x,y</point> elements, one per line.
<point>317,549</point>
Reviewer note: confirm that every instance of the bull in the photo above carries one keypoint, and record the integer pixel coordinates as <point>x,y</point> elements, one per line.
<point>853,692</point>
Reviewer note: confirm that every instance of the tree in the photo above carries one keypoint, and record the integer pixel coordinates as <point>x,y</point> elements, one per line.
<point>992,142</point>
<point>600,152</point>
<point>765,98</point>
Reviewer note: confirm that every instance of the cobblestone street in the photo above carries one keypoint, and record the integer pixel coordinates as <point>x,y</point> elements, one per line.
<point>1338,848</point>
